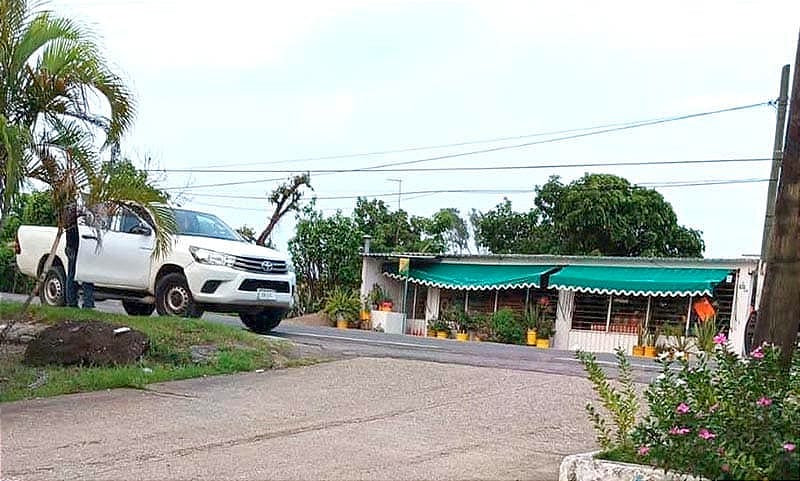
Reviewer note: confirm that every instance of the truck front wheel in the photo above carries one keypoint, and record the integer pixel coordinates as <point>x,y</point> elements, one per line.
<point>53,289</point>
<point>173,297</point>
<point>262,322</point>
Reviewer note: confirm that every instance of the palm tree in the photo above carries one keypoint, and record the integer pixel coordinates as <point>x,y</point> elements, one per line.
<point>53,83</point>
<point>69,164</point>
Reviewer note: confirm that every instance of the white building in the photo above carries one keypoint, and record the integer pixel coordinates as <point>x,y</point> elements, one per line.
<point>600,300</point>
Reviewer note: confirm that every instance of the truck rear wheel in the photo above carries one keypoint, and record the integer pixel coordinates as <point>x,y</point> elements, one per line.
<point>262,322</point>
<point>53,289</point>
<point>134,308</point>
<point>173,297</point>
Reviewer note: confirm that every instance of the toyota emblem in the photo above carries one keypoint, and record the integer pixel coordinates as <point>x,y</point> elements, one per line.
<point>266,266</point>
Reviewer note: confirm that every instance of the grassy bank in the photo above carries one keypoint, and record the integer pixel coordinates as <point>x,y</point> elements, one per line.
<point>169,356</point>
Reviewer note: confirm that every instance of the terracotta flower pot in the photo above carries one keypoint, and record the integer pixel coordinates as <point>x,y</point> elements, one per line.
<point>638,351</point>
<point>649,351</point>
<point>462,336</point>
<point>531,337</point>
<point>342,324</point>
<point>442,334</point>
<point>431,333</point>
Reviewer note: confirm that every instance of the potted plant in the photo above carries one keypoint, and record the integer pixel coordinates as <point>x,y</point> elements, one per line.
<point>463,323</point>
<point>480,328</point>
<point>704,332</point>
<point>650,342</point>
<point>342,307</point>
<point>365,315</point>
<point>641,337</point>
<point>432,325</point>
<point>678,342</point>
<point>375,297</point>
<point>442,329</point>
<point>543,332</point>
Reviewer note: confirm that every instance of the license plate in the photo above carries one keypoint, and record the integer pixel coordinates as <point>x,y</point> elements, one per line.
<point>266,294</point>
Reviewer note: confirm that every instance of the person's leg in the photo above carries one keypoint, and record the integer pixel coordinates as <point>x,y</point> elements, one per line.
<point>88,295</point>
<point>71,287</point>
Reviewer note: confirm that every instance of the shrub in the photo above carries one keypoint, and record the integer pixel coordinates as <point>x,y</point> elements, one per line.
<point>342,304</point>
<point>723,417</point>
<point>740,420</point>
<point>621,404</point>
<point>507,327</point>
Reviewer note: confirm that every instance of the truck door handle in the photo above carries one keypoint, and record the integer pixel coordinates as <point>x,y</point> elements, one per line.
<point>90,237</point>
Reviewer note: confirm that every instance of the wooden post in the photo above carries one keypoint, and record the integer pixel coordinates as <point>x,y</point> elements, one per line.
<point>608,314</point>
<point>496,295</point>
<point>779,312</point>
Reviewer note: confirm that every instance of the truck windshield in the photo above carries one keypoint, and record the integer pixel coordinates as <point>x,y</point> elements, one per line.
<point>203,225</point>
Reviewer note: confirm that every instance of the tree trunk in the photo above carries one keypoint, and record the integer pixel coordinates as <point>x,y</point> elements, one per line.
<point>273,221</point>
<point>779,313</point>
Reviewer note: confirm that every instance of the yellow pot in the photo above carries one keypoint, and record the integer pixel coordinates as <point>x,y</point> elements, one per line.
<point>442,334</point>
<point>649,351</point>
<point>365,315</point>
<point>431,333</point>
<point>531,337</point>
<point>462,336</point>
<point>638,351</point>
<point>543,343</point>
<point>342,324</point>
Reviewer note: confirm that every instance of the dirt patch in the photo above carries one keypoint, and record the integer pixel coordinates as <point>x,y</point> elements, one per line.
<point>316,319</point>
<point>86,342</point>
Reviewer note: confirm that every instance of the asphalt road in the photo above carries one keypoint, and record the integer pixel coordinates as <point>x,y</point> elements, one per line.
<point>365,418</point>
<point>351,343</point>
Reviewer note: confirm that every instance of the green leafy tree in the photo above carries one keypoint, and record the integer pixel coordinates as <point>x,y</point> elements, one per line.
<point>326,254</point>
<point>597,214</point>
<point>390,230</point>
<point>504,231</point>
<point>247,232</point>
<point>601,214</point>
<point>55,86</point>
<point>446,231</point>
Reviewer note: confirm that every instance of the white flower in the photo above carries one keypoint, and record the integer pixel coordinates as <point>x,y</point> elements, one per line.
<point>663,356</point>
<point>679,355</point>
<point>680,382</point>
<point>661,377</point>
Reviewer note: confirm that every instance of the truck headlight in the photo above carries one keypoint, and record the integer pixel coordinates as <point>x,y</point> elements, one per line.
<point>205,256</point>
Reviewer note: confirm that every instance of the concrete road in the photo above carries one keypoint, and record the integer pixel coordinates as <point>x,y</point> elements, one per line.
<point>337,343</point>
<point>366,418</point>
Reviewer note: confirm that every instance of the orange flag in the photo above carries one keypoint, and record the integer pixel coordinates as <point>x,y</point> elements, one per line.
<point>704,309</point>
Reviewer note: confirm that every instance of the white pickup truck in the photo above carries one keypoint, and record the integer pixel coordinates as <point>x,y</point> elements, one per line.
<point>209,268</point>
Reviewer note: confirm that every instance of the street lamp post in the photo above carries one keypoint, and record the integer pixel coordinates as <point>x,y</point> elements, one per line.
<point>399,190</point>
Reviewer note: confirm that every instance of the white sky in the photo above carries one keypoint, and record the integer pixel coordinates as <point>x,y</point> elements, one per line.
<point>247,82</point>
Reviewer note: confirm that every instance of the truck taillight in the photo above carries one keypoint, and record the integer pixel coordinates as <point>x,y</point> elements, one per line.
<point>17,248</point>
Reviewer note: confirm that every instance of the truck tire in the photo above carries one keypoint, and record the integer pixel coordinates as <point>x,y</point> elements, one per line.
<point>173,297</point>
<point>134,308</point>
<point>262,322</point>
<point>53,290</point>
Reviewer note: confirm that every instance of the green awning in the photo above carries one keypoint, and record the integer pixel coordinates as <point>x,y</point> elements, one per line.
<point>638,281</point>
<point>474,276</point>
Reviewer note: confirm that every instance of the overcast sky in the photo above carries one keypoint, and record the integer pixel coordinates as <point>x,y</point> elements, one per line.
<point>243,83</point>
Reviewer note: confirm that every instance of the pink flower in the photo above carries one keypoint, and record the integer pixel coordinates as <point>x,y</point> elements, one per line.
<point>720,338</point>
<point>713,408</point>
<point>757,354</point>
<point>725,467</point>
<point>764,401</point>
<point>789,447</point>
<point>682,408</point>
<point>643,450</point>
<point>706,434</point>
<point>679,431</point>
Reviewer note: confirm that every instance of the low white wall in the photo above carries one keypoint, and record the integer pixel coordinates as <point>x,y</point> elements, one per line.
<point>593,341</point>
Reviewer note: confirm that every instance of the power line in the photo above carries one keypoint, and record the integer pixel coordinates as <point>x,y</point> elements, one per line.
<point>508,147</point>
<point>629,124</point>
<point>666,184</point>
<point>458,169</point>
<point>468,169</point>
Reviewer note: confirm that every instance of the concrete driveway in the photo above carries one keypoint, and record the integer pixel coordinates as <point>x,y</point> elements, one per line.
<point>364,418</point>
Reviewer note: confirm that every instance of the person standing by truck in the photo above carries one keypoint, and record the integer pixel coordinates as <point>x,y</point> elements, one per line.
<point>71,250</point>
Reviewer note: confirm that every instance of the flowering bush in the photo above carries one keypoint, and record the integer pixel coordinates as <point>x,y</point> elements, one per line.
<point>722,417</point>
<point>737,420</point>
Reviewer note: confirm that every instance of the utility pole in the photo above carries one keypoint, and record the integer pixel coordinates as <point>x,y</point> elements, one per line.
<point>779,311</point>
<point>777,159</point>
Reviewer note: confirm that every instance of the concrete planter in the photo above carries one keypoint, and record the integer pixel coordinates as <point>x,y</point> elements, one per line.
<point>584,467</point>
